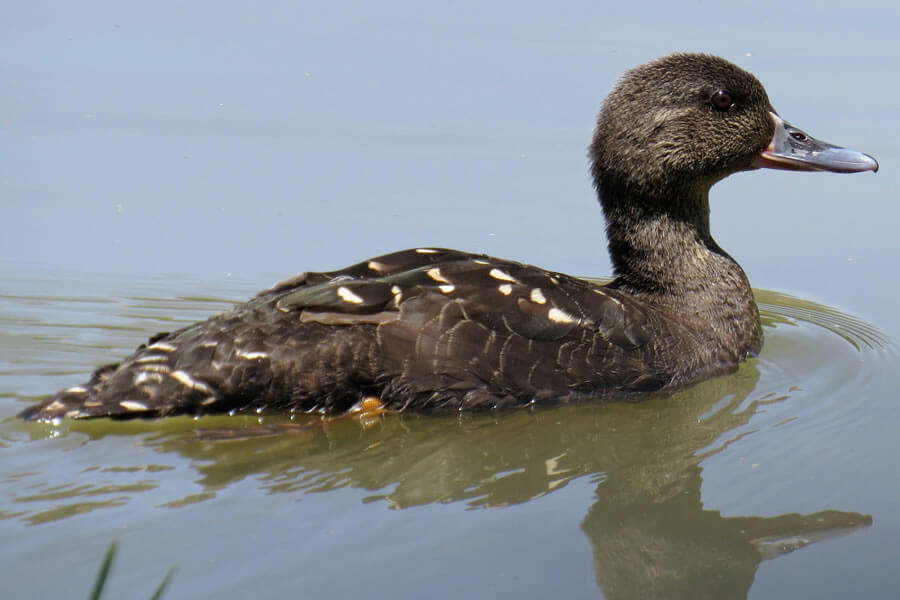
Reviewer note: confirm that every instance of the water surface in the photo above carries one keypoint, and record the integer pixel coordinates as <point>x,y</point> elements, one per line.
<point>160,161</point>
<point>612,496</point>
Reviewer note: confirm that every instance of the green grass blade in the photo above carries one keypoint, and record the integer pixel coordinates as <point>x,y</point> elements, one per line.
<point>162,586</point>
<point>104,572</point>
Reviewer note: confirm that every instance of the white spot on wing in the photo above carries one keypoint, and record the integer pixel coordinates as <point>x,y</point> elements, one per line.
<point>144,377</point>
<point>560,316</point>
<point>132,405</point>
<point>537,296</point>
<point>55,405</point>
<point>505,289</point>
<point>501,275</point>
<point>155,368</point>
<point>426,251</point>
<point>152,358</point>
<point>348,295</point>
<point>162,346</point>
<point>251,355</point>
<point>376,266</point>
<point>481,261</point>
<point>435,273</point>
<point>398,294</point>
<point>76,390</point>
<point>447,288</point>
<point>602,293</point>
<point>190,382</point>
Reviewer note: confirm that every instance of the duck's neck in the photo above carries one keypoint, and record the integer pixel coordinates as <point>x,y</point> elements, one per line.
<point>662,251</point>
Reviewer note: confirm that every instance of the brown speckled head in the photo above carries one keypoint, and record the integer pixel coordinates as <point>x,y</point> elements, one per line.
<point>679,123</point>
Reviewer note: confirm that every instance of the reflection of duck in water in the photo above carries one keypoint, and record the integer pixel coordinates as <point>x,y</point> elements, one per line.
<point>651,535</point>
<point>429,328</point>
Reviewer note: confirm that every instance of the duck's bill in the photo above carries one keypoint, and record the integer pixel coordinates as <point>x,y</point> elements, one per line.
<point>795,150</point>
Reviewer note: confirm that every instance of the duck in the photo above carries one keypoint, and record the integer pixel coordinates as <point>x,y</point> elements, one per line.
<point>438,329</point>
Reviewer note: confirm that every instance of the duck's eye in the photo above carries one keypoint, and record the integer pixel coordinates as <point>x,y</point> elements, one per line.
<point>721,100</point>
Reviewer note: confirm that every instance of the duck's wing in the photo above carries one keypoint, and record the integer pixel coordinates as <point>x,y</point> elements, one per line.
<point>379,266</point>
<point>422,328</point>
<point>462,330</point>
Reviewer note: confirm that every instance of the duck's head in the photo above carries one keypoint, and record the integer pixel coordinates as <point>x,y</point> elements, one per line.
<point>674,126</point>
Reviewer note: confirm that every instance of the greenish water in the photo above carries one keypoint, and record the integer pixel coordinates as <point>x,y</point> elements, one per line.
<point>613,498</point>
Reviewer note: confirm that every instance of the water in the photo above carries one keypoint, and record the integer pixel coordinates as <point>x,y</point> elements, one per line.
<point>519,501</point>
<point>160,162</point>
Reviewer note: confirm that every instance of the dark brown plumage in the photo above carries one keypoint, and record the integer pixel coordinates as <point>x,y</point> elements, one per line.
<point>430,328</point>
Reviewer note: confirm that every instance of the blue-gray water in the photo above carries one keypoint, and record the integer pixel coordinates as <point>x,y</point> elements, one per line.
<point>160,161</point>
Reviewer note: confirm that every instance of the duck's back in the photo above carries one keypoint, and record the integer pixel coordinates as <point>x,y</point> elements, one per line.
<point>421,328</point>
